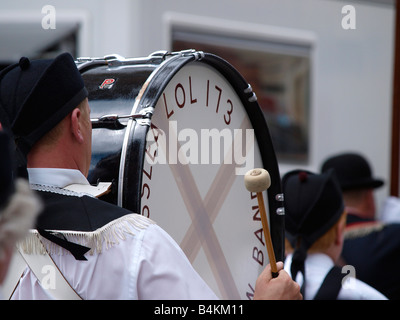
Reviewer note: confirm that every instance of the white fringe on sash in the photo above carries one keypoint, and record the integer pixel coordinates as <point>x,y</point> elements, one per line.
<point>101,239</point>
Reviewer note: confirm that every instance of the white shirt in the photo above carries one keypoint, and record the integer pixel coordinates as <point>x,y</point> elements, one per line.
<point>391,210</point>
<point>317,265</point>
<point>146,264</point>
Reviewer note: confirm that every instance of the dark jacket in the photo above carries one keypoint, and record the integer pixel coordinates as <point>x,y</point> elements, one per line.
<point>373,248</point>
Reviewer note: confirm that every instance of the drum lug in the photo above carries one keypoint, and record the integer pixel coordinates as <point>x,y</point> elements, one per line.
<point>147,111</point>
<point>249,90</point>
<point>143,122</point>
<point>280,211</point>
<point>279,197</point>
<point>198,55</point>
<point>160,53</point>
<point>114,56</point>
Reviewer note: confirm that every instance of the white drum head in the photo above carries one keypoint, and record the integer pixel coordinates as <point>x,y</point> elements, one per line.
<point>199,146</point>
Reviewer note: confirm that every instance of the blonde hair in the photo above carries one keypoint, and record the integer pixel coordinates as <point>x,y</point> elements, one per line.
<point>323,242</point>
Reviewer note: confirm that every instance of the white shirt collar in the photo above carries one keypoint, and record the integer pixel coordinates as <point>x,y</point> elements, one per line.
<point>72,181</point>
<point>56,177</point>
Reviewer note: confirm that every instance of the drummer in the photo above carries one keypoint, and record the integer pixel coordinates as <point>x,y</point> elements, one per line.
<point>103,251</point>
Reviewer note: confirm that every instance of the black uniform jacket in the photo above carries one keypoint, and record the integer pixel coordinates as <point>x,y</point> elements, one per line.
<point>373,249</point>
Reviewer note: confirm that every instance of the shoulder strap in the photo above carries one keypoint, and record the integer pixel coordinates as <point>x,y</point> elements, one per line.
<point>42,265</point>
<point>15,272</point>
<point>45,270</point>
<point>331,285</point>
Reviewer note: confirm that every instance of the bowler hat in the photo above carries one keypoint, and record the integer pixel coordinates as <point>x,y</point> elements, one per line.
<point>353,171</point>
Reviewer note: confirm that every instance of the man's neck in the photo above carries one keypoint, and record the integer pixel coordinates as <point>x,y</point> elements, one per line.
<point>355,211</point>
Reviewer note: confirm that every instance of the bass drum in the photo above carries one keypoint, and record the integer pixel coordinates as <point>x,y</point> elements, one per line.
<point>175,133</point>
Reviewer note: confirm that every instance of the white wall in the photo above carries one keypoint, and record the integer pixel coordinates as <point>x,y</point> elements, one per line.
<point>106,26</point>
<point>352,69</point>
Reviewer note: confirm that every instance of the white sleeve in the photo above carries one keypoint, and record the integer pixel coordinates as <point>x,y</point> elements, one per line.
<point>165,272</point>
<point>354,289</point>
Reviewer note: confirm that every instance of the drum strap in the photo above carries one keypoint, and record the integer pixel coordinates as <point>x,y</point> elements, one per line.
<point>45,270</point>
<point>331,285</point>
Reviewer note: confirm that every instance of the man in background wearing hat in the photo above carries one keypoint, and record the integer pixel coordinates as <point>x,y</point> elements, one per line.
<point>370,246</point>
<point>103,251</point>
<point>315,222</point>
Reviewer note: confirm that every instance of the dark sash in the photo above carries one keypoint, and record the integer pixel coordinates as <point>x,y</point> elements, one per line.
<point>331,285</point>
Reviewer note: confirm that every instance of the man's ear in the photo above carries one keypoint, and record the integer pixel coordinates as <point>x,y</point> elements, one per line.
<point>341,226</point>
<point>76,125</point>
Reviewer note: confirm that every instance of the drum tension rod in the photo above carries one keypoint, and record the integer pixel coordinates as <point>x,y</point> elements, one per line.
<point>111,121</point>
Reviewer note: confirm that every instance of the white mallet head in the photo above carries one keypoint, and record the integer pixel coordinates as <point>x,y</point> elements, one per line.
<point>257,180</point>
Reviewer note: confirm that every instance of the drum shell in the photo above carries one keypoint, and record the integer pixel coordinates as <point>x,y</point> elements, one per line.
<point>116,99</point>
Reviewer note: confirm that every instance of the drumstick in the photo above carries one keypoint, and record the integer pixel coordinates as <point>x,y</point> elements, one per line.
<point>258,180</point>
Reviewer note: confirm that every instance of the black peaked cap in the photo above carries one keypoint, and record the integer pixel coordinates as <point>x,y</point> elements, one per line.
<point>36,95</point>
<point>313,204</point>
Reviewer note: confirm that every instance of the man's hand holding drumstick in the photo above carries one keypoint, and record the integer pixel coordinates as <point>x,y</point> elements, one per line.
<point>279,288</point>
<point>273,282</point>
